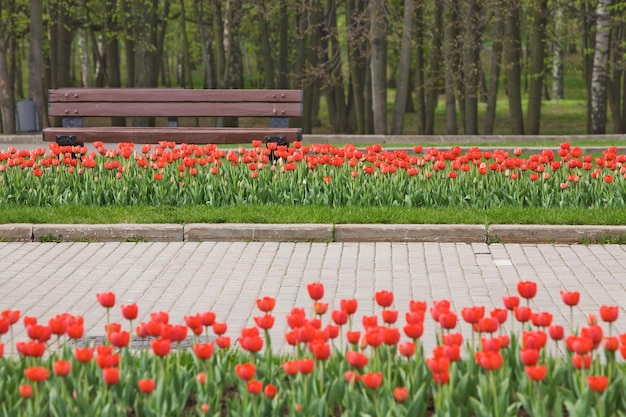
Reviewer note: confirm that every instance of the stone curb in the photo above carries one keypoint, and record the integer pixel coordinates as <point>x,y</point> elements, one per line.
<point>198,232</point>
<point>501,233</point>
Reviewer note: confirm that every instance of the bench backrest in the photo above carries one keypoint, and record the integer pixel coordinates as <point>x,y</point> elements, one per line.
<point>173,102</point>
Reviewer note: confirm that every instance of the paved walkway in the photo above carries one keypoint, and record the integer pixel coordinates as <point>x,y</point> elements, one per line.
<point>45,279</point>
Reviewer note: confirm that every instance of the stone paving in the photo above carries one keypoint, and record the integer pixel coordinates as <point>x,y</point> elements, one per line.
<point>45,279</point>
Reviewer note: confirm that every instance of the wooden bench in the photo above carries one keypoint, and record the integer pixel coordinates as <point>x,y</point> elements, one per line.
<point>75,104</point>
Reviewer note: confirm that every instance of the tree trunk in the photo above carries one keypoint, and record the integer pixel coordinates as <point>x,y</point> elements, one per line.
<point>357,52</point>
<point>600,69</point>
<point>494,67</point>
<point>86,77</point>
<point>471,64</point>
<point>7,103</point>
<point>539,12</point>
<point>558,56</point>
<point>146,49</point>
<point>205,44</point>
<point>187,80</point>
<point>420,80</point>
<point>335,95</point>
<point>404,68</point>
<point>218,37</point>
<point>451,61</point>
<point>587,52</point>
<point>434,78</point>
<point>512,64</point>
<point>36,86</point>
<point>378,65</point>
<point>283,45</point>
<point>266,47</point>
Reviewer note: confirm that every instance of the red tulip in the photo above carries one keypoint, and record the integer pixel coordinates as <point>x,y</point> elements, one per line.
<point>417,306</point>
<point>146,385</point>
<point>556,332</point>
<point>320,308</point>
<point>527,289</point>
<point>441,378</point>
<point>266,304</point>
<point>290,367</point>
<point>597,383</point>
<point>488,325</point>
<point>251,343</point>
<point>594,333</point>
<point>384,298</point>
<point>106,299</point>
<point>372,379</point>
<point>414,331</point>
<point>529,356</point>
<point>33,348</point>
<point>36,373</point>
<point>349,305</point>
<point>331,331</point>
<point>510,302</point>
<point>522,314</point>
<point>609,314</point>
<point>356,359</point>
<point>265,322</point>
<point>26,391</point>
<point>438,364</point>
<point>12,315</point>
<point>473,314</point>
<point>450,339</point>
<point>316,290</point>
<point>203,351</point>
<point>161,347</point>
<point>320,350</point>
<point>108,360</point>
<point>223,342</point>
<point>374,336</point>
<point>111,375</point>
<point>119,339</point>
<point>340,317</point>
<point>245,371</point>
<point>270,391</point>
<point>414,317</point>
<point>5,325</point>
<point>448,320</point>
<point>219,328</point>
<point>305,366</point>
<point>611,343</point>
<point>389,316</point>
<point>489,360</point>
<point>83,355</point>
<point>499,314</point>
<point>536,373</point>
<point>352,377</point>
<point>407,349</point>
<point>353,336</point>
<point>391,336</point>
<point>130,311</point>
<point>490,344</point>
<point>254,387</point>
<point>62,368</point>
<point>570,298</point>
<point>581,361</point>
<point>208,319</point>
<point>401,394</point>
<point>534,340</point>
<point>57,325</point>
<point>543,319</point>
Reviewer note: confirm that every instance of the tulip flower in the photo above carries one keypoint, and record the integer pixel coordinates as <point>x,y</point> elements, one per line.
<point>203,351</point>
<point>349,305</point>
<point>219,328</point>
<point>266,304</point>
<point>161,347</point>
<point>536,373</point>
<point>401,394</point>
<point>316,290</point>
<point>406,349</point>
<point>473,314</point>
<point>529,356</point>
<point>340,317</point>
<point>106,299</point>
<point>510,302</point>
<point>527,289</point>
<point>609,314</point>
<point>372,379</point>
<point>570,298</point>
<point>119,339</point>
<point>26,391</point>
<point>414,331</point>
<point>581,361</point>
<point>488,360</point>
<point>598,383</point>
<point>36,373</point>
<point>146,385</point>
<point>384,298</point>
<point>245,371</point>
<point>111,375</point>
<point>62,367</point>
<point>556,332</point>
<point>130,311</point>
<point>356,359</point>
<point>305,366</point>
<point>83,355</point>
<point>265,322</point>
<point>208,319</point>
<point>389,316</point>
<point>270,391</point>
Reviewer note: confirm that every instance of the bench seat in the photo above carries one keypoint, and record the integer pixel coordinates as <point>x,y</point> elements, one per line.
<point>73,105</point>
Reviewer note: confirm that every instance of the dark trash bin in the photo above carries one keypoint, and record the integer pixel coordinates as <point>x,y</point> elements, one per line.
<point>26,116</point>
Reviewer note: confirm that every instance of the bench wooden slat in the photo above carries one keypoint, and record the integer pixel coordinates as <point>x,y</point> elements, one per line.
<point>185,109</point>
<point>199,135</point>
<point>172,95</point>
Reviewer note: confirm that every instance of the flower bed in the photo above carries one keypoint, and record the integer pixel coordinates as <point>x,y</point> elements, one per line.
<point>515,361</point>
<point>173,174</point>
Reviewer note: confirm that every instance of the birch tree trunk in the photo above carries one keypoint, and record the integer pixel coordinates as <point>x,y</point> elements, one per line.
<point>600,69</point>
<point>86,77</point>
<point>377,65</point>
<point>404,68</point>
<point>558,55</point>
